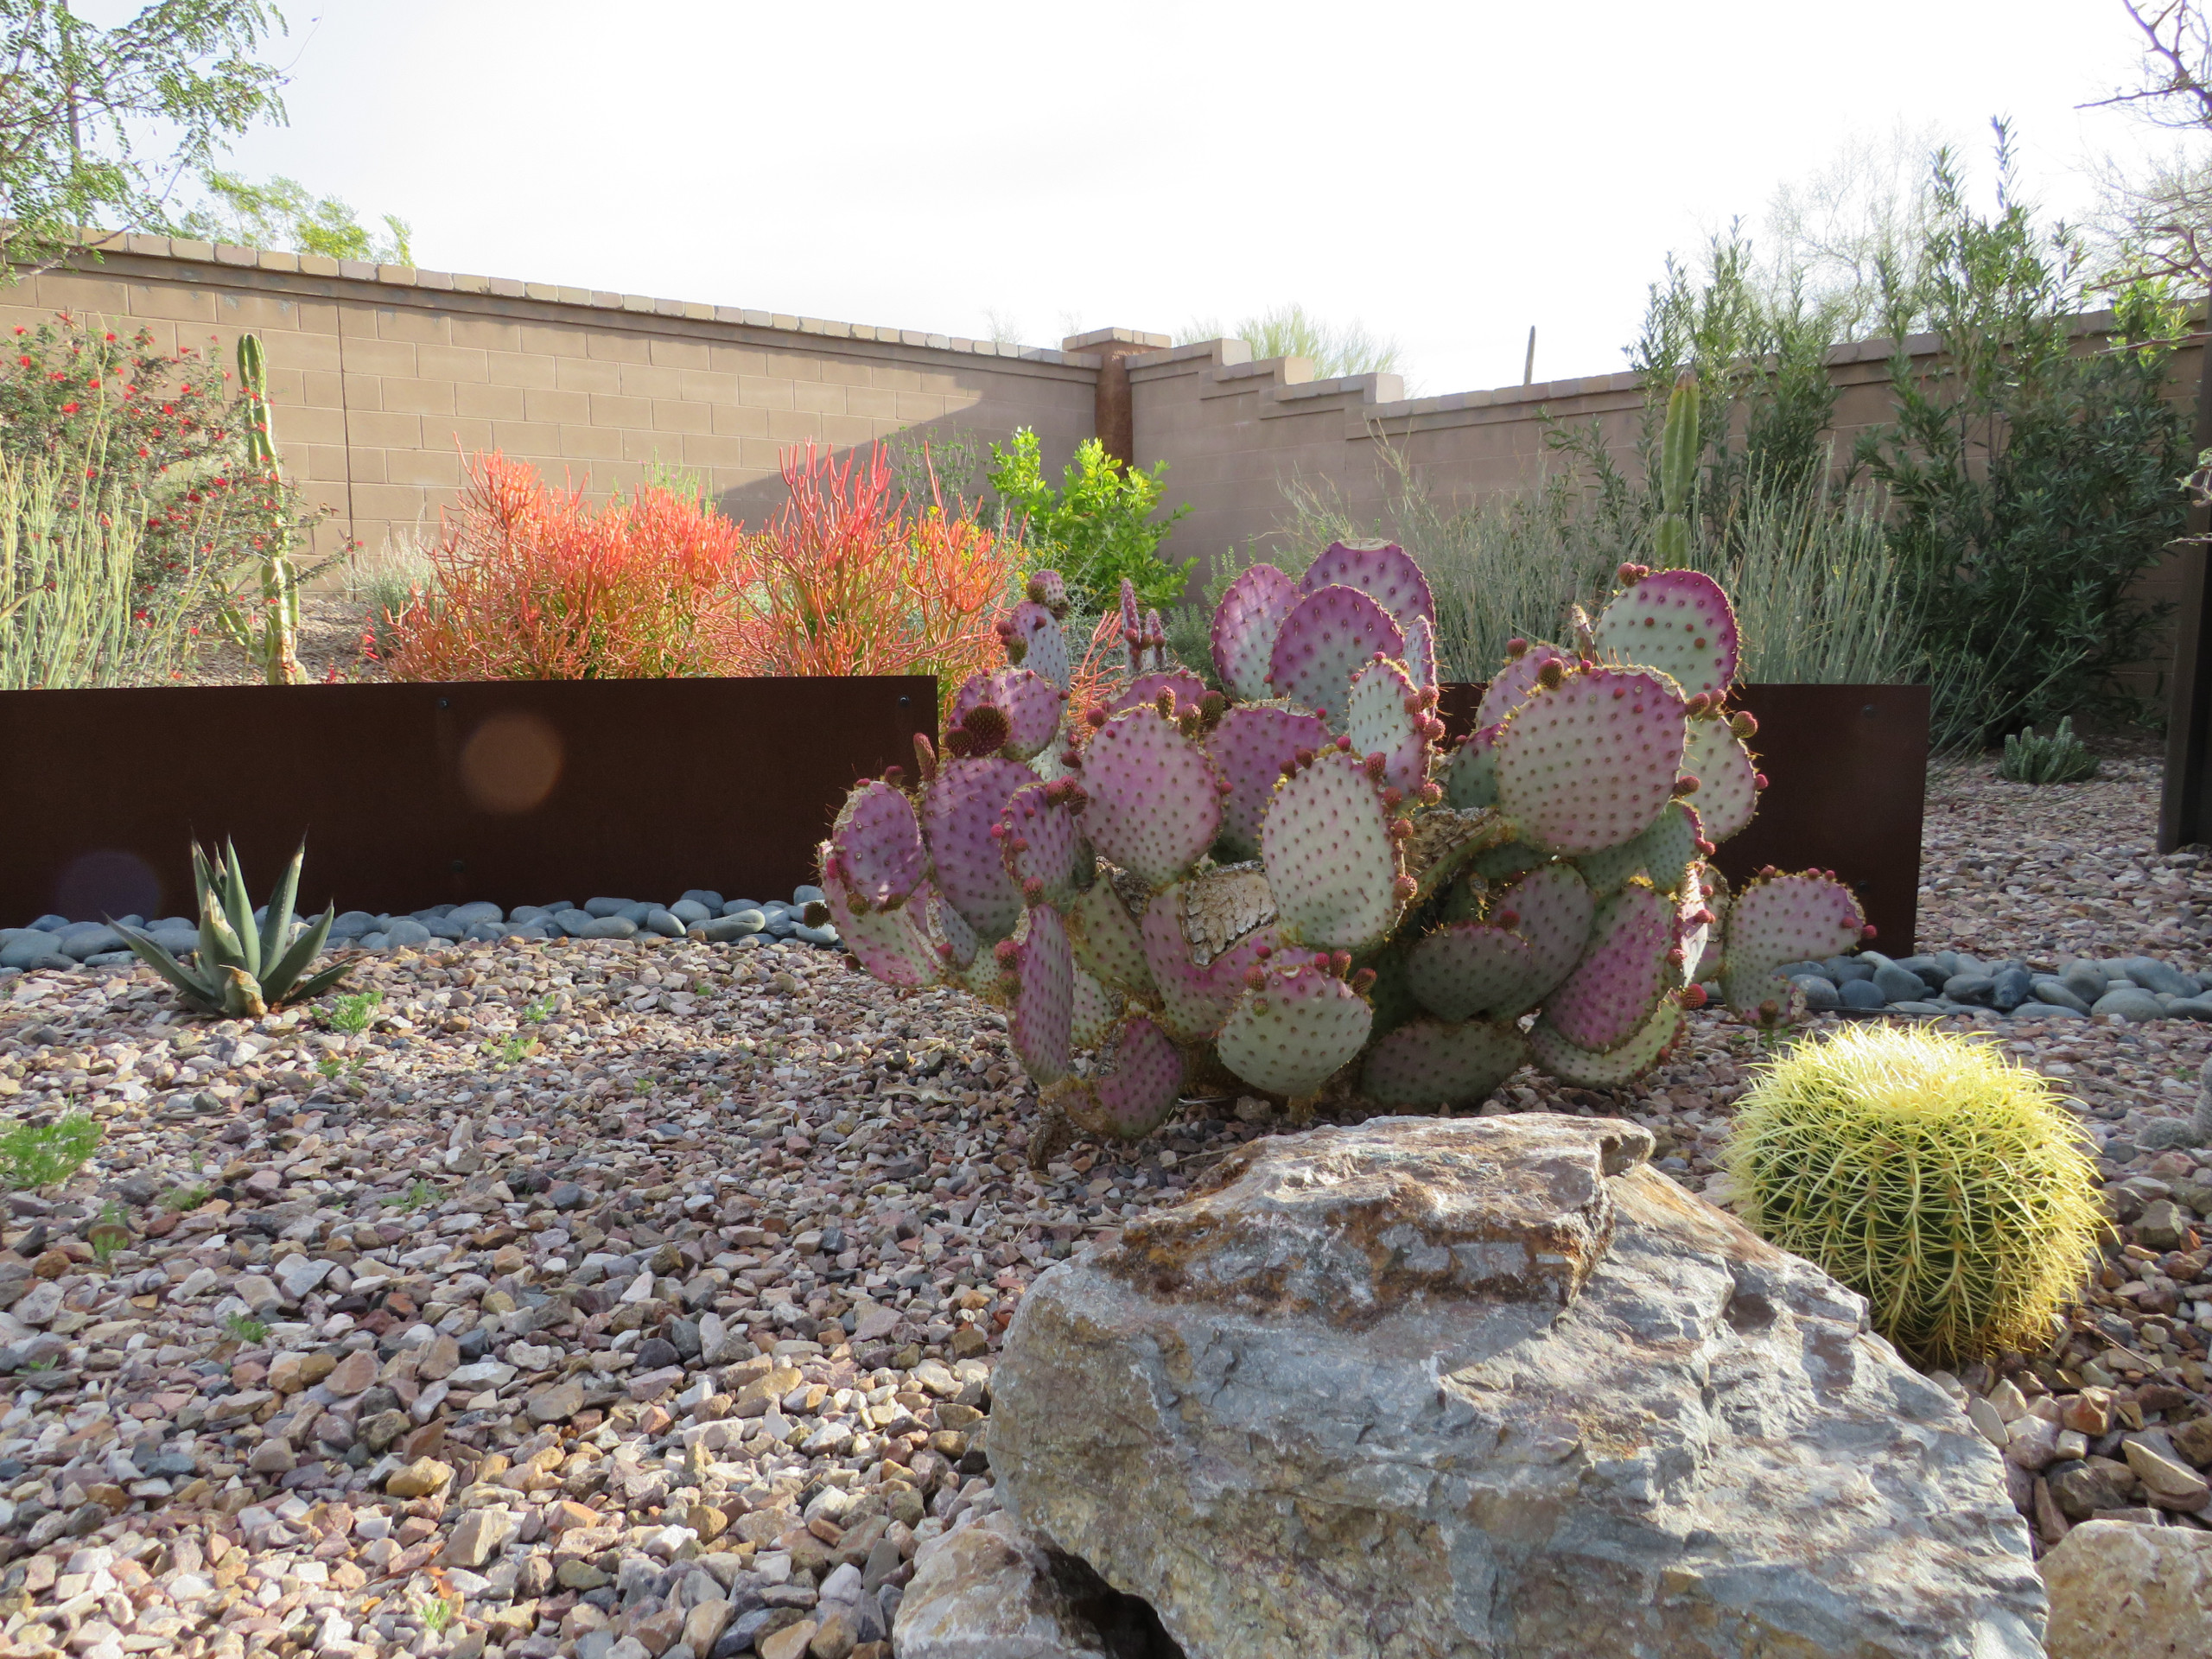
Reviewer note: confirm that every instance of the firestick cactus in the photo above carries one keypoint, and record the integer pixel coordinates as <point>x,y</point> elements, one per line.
<point>1298,889</point>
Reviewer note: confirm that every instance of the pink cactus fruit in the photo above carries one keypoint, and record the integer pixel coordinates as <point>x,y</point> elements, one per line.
<point>1622,976</point>
<point>1033,640</point>
<point>892,944</point>
<point>1515,679</point>
<point>1108,941</point>
<point>1466,970</point>
<point>1430,1063</point>
<point>880,844</point>
<point>1185,690</point>
<point>1589,763</point>
<point>1200,979</point>
<point>1330,859</point>
<point>1295,1026</point>
<point>1780,918</point>
<point>1252,745</point>
<point>1728,781</point>
<point>1245,624</point>
<point>1096,1009</point>
<point>1676,621</point>
<point>1333,632</point>
<point>1385,714</point>
<point>1382,571</point>
<point>1553,908</point>
<point>1155,798</point>
<point>1614,1068</point>
<point>1043,1006</point>
<point>1470,775</point>
<point>1041,842</point>
<point>1137,1086</point>
<point>1421,653</point>
<point>959,812</point>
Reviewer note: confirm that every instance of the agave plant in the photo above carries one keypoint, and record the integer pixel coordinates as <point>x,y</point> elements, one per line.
<point>240,970</point>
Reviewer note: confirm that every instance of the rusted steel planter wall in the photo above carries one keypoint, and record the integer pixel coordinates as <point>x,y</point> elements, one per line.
<point>417,795</point>
<point>1848,771</point>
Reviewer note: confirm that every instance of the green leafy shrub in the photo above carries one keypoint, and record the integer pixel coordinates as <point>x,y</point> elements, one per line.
<point>33,1155</point>
<point>2061,758</point>
<point>1097,529</point>
<point>1930,1173</point>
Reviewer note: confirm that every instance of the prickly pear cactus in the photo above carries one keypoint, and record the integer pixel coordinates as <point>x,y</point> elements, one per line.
<point>1294,888</point>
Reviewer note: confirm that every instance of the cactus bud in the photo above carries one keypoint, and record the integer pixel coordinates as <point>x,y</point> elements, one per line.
<point>1405,887</point>
<point>1685,784</point>
<point>1361,979</point>
<point>1743,725</point>
<point>1552,675</point>
<point>1007,952</point>
<point>1629,575</point>
<point>1070,757</point>
<point>924,758</point>
<point>1376,765</point>
<point>1869,932</point>
<point>894,775</point>
<point>859,904</point>
<point>1222,786</point>
<point>1095,717</point>
<point>1516,649</point>
<point>1301,759</point>
<point>997,832</point>
<point>1705,849</point>
<point>1213,707</point>
<point>1165,702</point>
<point>1431,794</point>
<point>1032,890</point>
<point>1508,918</point>
<point>1340,964</point>
<point>1758,780</point>
<point>1693,996</point>
<point>1344,745</point>
<point>1401,830</point>
<point>1393,798</point>
<point>1256,977</point>
<point>1263,951</point>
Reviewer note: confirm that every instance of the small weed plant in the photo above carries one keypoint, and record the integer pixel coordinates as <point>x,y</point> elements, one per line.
<point>414,1197</point>
<point>33,1155</point>
<point>184,1199</point>
<point>353,1013</point>
<point>247,1329</point>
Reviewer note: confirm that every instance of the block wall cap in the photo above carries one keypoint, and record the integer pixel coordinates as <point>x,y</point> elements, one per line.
<point>1118,337</point>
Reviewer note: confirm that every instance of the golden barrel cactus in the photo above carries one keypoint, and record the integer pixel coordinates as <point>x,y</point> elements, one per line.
<point>1946,1185</point>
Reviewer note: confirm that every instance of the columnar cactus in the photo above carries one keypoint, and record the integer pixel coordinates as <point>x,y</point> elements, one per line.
<point>1296,890</point>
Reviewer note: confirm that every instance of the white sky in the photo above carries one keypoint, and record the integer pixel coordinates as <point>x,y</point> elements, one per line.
<point>1448,175</point>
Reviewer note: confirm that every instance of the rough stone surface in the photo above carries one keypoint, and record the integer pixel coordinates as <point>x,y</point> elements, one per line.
<point>2121,1591</point>
<point>985,1592</point>
<point>1703,1452</point>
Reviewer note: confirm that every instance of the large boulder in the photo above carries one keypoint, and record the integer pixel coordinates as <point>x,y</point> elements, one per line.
<point>2122,1591</point>
<point>1494,1386</point>
<point>984,1590</point>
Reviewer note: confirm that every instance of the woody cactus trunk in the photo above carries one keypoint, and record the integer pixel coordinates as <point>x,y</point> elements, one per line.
<point>1296,890</point>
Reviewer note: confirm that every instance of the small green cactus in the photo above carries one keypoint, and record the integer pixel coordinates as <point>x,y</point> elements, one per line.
<point>2061,757</point>
<point>1679,444</point>
<point>272,638</point>
<point>1930,1173</point>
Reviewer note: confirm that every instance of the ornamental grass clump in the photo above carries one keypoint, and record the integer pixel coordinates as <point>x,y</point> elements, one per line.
<point>1943,1182</point>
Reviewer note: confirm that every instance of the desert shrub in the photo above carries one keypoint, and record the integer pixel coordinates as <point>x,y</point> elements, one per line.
<point>1097,529</point>
<point>1929,1173</point>
<point>852,576</point>
<point>532,582</point>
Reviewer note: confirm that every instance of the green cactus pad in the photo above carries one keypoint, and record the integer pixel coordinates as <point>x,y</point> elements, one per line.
<point>1033,706</point>
<point>1509,687</point>
<point>1470,775</point>
<point>1293,1031</point>
<point>893,946</point>
<point>1040,841</point>
<point>1043,1011</point>
<point>954,941</point>
<point>1383,716</point>
<point>1199,985</point>
<point>1330,858</point>
<point>1507,860</point>
<point>1444,844</point>
<point>1382,571</point>
<point>1156,797</point>
<point>1334,632</point>
<point>1244,627</point>
<point>1251,745</point>
<point>1135,1089</point>
<point>879,842</point>
<point>1553,909</point>
<point>1676,621</point>
<point>1466,970</point>
<point>1186,690</point>
<point>1588,764</point>
<point>1727,777</point>
<point>1108,942</point>
<point>1664,853</point>
<point>1582,1068</point>
<point>960,809</point>
<point>1622,975</point>
<point>1782,919</point>
<point>1095,1010</point>
<point>1034,641</point>
<point>1421,653</point>
<point>1430,1063</point>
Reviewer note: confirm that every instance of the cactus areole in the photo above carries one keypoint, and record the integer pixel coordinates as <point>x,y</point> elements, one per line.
<point>1307,895</point>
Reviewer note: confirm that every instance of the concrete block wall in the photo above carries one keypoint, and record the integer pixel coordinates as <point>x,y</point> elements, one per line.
<point>384,377</point>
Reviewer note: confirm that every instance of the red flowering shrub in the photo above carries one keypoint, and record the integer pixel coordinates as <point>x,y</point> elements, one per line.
<point>534,583</point>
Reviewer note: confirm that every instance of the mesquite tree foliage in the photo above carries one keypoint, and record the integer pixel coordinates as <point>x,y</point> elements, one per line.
<point>1297,890</point>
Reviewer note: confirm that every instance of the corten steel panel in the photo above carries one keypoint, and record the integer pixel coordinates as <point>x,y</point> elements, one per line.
<point>1847,769</point>
<point>416,795</point>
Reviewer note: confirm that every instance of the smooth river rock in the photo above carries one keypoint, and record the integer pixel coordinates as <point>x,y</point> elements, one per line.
<point>1494,1386</point>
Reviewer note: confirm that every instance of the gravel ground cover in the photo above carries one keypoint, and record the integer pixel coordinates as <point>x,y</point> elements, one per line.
<point>637,1298</point>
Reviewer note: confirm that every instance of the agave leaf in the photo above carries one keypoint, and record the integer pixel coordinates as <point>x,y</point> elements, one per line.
<point>156,956</point>
<point>315,987</point>
<point>238,909</point>
<point>218,944</point>
<point>276,984</point>
<point>278,921</point>
<point>203,876</point>
<point>242,997</point>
